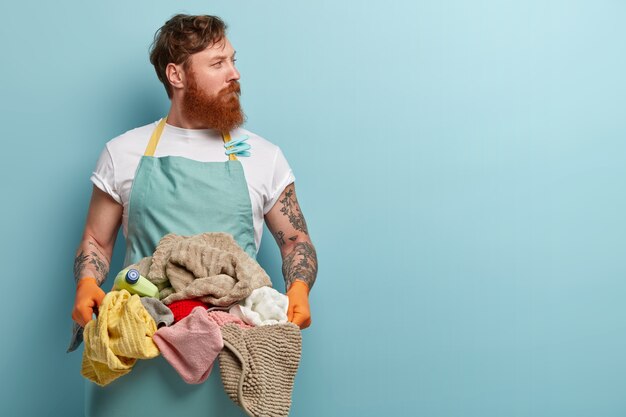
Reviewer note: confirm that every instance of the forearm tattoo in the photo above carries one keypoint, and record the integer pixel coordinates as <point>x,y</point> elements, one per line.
<point>93,245</point>
<point>94,262</point>
<point>280,238</point>
<point>291,209</point>
<point>300,263</point>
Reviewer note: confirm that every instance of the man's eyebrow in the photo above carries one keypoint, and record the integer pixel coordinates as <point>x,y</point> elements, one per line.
<point>219,57</point>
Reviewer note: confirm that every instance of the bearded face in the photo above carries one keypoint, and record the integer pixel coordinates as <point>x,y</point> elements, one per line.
<point>221,112</point>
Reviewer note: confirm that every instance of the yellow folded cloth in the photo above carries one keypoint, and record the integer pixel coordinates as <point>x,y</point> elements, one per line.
<point>120,335</point>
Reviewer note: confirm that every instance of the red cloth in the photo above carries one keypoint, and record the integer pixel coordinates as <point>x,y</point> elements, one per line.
<point>182,308</point>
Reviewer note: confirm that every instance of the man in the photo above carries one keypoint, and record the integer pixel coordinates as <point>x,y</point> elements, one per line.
<point>195,171</point>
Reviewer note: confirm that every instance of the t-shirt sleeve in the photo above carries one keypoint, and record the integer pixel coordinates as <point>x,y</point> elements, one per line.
<point>104,175</point>
<point>281,178</point>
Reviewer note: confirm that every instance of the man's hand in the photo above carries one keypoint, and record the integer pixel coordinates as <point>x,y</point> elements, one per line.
<point>299,312</point>
<point>88,297</point>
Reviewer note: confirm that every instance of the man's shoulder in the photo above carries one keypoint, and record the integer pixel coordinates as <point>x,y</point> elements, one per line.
<point>257,142</point>
<point>131,139</point>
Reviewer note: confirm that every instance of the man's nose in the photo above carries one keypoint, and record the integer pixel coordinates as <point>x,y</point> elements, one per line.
<point>233,74</point>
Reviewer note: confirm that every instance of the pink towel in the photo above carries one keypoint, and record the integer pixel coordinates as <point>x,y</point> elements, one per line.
<point>191,345</point>
<point>222,317</point>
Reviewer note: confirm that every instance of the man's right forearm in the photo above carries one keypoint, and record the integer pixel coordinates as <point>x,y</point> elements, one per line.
<point>92,260</point>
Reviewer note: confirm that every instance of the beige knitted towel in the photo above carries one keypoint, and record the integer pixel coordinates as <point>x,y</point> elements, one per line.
<point>259,365</point>
<point>210,267</point>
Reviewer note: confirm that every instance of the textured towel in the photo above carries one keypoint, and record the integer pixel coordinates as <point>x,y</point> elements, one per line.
<point>258,367</point>
<point>191,345</point>
<point>264,306</point>
<point>222,318</point>
<point>211,267</point>
<point>161,314</point>
<point>120,335</point>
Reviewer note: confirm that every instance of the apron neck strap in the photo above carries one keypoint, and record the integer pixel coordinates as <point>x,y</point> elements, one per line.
<point>154,139</point>
<point>156,135</point>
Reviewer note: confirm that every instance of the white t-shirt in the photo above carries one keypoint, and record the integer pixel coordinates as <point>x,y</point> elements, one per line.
<point>266,169</point>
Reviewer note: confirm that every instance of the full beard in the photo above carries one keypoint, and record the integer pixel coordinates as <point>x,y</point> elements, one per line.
<point>222,112</point>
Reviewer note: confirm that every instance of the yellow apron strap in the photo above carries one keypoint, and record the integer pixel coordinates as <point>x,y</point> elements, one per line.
<point>154,140</point>
<point>226,137</point>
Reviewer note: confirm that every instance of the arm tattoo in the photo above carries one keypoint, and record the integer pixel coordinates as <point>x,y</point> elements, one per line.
<point>280,238</point>
<point>300,263</point>
<point>100,267</point>
<point>98,249</point>
<point>291,209</point>
<point>79,264</point>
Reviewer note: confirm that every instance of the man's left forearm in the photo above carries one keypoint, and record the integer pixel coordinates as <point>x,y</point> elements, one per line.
<point>300,263</point>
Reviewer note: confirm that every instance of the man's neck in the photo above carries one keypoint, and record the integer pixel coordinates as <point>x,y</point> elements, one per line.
<point>176,117</point>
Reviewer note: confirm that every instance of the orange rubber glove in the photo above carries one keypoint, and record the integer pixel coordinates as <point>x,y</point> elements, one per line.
<point>299,312</point>
<point>88,298</point>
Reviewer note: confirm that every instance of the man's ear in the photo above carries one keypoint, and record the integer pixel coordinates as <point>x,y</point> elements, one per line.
<point>175,75</point>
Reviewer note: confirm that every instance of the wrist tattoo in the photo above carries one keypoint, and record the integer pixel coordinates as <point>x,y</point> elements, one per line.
<point>79,264</point>
<point>100,267</point>
<point>300,263</point>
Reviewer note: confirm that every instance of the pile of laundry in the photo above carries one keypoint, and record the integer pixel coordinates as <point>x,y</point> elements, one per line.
<point>214,301</point>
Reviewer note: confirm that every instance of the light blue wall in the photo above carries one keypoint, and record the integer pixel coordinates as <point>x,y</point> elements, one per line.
<point>460,165</point>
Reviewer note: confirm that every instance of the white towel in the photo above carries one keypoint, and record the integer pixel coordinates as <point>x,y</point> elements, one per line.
<point>263,306</point>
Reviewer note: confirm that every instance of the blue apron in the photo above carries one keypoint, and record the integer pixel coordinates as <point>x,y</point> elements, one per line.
<point>172,194</point>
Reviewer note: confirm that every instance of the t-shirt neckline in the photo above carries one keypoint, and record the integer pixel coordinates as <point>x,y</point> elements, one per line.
<point>192,133</point>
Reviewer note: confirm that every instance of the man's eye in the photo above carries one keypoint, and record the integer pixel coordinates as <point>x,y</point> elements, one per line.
<point>217,64</point>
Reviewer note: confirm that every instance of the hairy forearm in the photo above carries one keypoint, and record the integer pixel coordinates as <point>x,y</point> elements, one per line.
<point>300,263</point>
<point>92,260</point>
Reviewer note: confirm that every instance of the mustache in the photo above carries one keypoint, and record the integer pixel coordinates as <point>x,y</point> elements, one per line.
<point>234,87</point>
